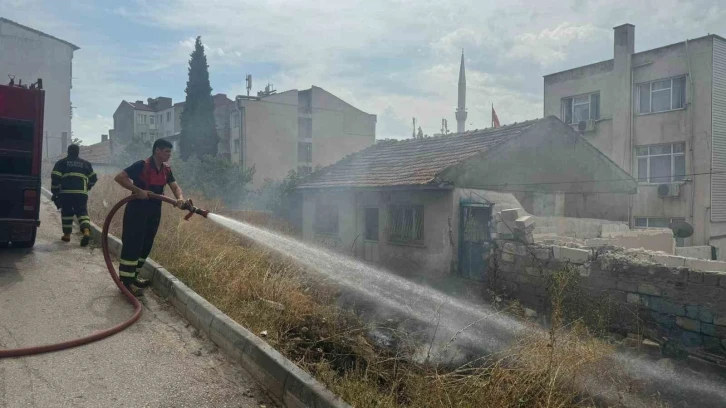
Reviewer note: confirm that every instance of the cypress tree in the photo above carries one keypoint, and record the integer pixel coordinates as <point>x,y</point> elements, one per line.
<point>198,131</point>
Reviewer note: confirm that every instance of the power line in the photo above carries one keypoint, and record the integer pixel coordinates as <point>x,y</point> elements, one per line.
<point>592,181</point>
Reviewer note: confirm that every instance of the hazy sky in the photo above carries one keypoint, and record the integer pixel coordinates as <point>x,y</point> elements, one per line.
<point>396,59</point>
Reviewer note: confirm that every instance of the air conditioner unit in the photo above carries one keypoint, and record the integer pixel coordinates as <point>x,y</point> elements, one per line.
<point>669,190</point>
<point>585,126</point>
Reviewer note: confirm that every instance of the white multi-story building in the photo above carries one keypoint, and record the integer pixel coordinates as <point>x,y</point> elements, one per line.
<point>28,54</point>
<point>296,130</point>
<point>661,115</point>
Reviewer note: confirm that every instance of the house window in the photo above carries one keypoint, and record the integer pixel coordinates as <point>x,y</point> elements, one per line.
<point>151,120</point>
<point>326,219</point>
<point>371,224</point>
<point>579,108</point>
<point>140,118</point>
<point>168,116</point>
<point>406,224</point>
<point>305,152</point>
<point>236,145</point>
<point>304,170</point>
<point>235,119</point>
<point>663,163</point>
<point>657,222</point>
<point>661,96</point>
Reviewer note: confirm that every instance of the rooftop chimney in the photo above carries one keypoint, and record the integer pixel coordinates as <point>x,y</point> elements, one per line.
<point>104,138</point>
<point>140,102</point>
<point>621,88</point>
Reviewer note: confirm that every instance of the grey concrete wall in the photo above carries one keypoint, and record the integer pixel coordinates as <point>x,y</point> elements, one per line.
<point>433,257</point>
<point>676,298</point>
<point>28,56</point>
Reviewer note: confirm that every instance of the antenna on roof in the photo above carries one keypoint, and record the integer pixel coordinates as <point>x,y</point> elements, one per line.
<point>248,79</point>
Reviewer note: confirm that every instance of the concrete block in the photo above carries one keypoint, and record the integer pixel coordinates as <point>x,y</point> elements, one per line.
<point>510,215</point>
<point>507,257</point>
<point>632,298</point>
<point>711,279</point>
<point>648,289</point>
<point>573,255</point>
<point>688,324</point>
<point>695,277</point>
<point>669,260</point>
<point>704,265</point>
<point>705,315</point>
<point>584,270</point>
<point>532,271</point>
<point>690,339</point>
<point>627,286</point>
<point>525,223</point>
<point>200,313</point>
<point>699,252</point>
<point>542,254</point>
<point>722,281</point>
<point>692,311</point>
<point>708,329</point>
<point>667,307</point>
<point>719,320</point>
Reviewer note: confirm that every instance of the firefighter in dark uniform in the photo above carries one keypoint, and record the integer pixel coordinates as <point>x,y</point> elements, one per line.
<point>71,180</point>
<point>142,216</point>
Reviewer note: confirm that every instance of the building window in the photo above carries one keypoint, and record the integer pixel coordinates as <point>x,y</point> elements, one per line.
<point>371,224</point>
<point>304,170</point>
<point>151,120</point>
<point>661,96</point>
<point>326,219</point>
<point>236,145</point>
<point>235,119</point>
<point>140,118</point>
<point>406,224</point>
<point>305,152</point>
<point>663,163</point>
<point>657,222</point>
<point>168,116</point>
<point>579,108</point>
<point>304,128</point>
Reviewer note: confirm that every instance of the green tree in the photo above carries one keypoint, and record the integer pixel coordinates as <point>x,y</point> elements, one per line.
<point>198,132</point>
<point>214,177</point>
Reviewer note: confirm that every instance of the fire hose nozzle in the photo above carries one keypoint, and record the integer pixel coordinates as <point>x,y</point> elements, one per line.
<point>189,206</point>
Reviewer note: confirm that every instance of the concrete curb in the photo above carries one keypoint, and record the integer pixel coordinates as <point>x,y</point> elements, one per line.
<point>280,376</point>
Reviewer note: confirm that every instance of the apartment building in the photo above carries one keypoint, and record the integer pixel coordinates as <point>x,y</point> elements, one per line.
<point>28,54</point>
<point>659,114</point>
<point>158,118</point>
<point>296,130</point>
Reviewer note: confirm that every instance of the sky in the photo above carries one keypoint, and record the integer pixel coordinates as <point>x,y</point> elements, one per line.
<point>396,59</point>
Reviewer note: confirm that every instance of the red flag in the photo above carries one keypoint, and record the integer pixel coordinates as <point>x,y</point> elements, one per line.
<point>495,119</point>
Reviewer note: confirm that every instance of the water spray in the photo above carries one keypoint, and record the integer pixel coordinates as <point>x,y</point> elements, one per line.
<point>19,352</point>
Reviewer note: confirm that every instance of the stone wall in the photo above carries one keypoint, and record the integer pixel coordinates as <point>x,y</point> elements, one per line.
<point>674,298</point>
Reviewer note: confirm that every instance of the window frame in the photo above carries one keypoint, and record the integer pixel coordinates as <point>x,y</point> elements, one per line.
<point>304,152</point>
<point>417,235</point>
<point>672,155</point>
<point>650,111</point>
<point>322,217</point>
<point>680,242</point>
<point>591,115</point>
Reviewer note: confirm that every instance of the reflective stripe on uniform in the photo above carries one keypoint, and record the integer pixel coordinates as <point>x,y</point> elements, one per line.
<point>73,192</point>
<point>125,274</point>
<point>128,263</point>
<point>81,175</point>
<point>84,217</point>
<point>92,174</point>
<point>55,186</point>
<point>57,173</point>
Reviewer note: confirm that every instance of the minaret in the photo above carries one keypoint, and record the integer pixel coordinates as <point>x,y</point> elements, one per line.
<point>461,107</point>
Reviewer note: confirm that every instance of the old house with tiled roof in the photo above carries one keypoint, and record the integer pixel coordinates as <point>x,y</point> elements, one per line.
<point>425,205</point>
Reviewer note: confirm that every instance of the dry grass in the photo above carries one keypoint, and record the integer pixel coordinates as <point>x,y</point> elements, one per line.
<point>262,292</point>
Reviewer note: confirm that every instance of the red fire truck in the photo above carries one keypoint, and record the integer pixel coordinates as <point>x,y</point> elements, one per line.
<point>21,146</point>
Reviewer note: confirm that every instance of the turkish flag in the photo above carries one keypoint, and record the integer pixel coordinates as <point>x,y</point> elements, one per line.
<point>495,119</point>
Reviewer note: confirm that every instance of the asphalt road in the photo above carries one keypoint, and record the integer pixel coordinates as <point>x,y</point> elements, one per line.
<point>59,291</point>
